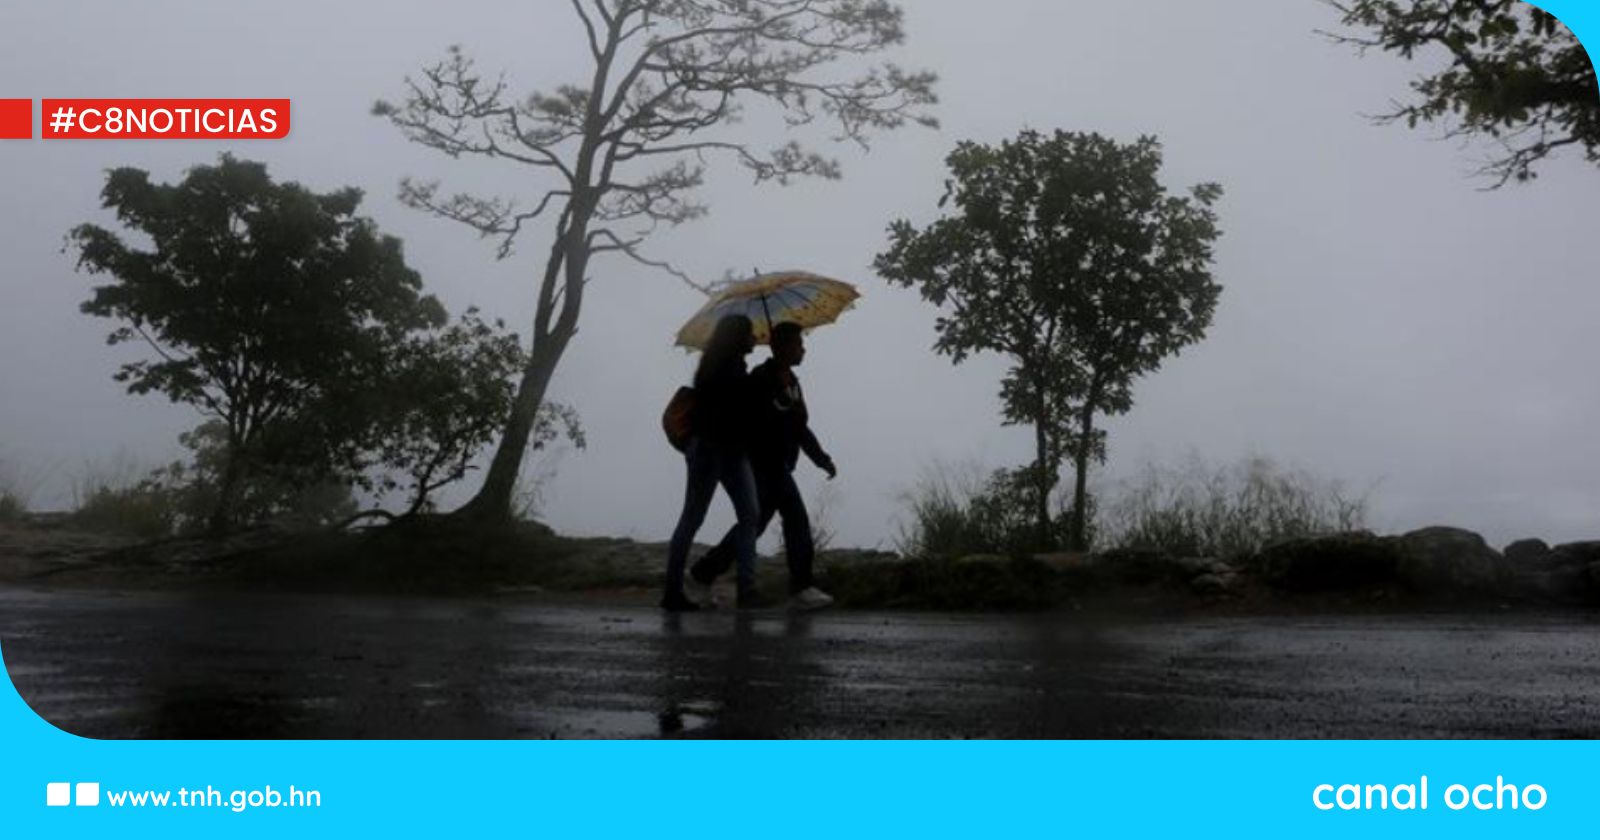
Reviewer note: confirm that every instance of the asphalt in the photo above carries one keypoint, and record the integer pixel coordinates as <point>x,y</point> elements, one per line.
<point>123,665</point>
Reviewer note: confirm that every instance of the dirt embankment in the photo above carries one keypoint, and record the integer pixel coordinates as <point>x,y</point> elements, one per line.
<point>1423,570</point>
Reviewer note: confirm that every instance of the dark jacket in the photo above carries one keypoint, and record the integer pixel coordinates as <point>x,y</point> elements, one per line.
<point>782,430</point>
<point>723,408</point>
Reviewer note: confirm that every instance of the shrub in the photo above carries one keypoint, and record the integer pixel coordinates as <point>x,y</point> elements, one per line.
<point>958,512</point>
<point>1199,510</point>
<point>16,490</point>
<point>112,497</point>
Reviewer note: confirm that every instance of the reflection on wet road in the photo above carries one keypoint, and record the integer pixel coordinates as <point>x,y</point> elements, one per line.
<point>184,666</point>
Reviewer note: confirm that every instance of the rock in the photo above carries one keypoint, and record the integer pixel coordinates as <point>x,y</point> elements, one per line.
<point>1568,585</point>
<point>1139,566</point>
<point>1527,551</point>
<point>1212,583</point>
<point>1576,552</point>
<point>1348,560</point>
<point>1541,573</point>
<point>1061,560</point>
<point>1193,567</point>
<point>1442,560</point>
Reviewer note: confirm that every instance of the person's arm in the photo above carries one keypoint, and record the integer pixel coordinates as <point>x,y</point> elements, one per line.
<point>814,451</point>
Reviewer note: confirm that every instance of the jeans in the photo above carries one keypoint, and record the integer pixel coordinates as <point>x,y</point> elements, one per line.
<point>779,496</point>
<point>710,465</point>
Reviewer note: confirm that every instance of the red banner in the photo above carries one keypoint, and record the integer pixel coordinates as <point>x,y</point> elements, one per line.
<point>164,119</point>
<point>16,119</point>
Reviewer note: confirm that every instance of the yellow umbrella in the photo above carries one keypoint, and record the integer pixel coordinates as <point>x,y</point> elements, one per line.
<point>807,299</point>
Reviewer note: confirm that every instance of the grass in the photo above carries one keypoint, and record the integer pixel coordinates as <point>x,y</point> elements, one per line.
<point>17,486</point>
<point>1196,509</point>
<point>116,496</point>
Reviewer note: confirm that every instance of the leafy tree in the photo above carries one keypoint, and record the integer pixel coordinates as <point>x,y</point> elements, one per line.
<point>277,492</point>
<point>1066,254</point>
<point>261,304</point>
<point>1516,75</point>
<point>624,151</point>
<point>450,393</point>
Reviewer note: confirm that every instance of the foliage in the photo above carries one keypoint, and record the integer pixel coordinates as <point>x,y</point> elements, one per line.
<point>624,151</point>
<point>144,510</point>
<point>261,303</point>
<point>1198,510</point>
<point>1516,75</point>
<point>302,336</point>
<point>16,490</point>
<point>1067,255</point>
<point>279,493</point>
<point>554,421</point>
<point>955,514</point>
<point>447,396</point>
<point>113,497</point>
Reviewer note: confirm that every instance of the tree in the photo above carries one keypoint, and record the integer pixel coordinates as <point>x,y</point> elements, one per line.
<point>1066,254</point>
<point>449,393</point>
<point>264,305</point>
<point>1516,75</point>
<point>624,151</point>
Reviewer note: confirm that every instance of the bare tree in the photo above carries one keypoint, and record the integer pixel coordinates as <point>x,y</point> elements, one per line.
<point>625,153</point>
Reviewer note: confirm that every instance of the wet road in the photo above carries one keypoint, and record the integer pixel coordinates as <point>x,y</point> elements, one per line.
<point>120,665</point>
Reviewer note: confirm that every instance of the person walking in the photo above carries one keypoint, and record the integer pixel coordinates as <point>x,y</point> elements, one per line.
<point>717,453</point>
<point>781,432</point>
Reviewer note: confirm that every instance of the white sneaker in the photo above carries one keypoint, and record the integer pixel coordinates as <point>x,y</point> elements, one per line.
<point>811,598</point>
<point>700,593</point>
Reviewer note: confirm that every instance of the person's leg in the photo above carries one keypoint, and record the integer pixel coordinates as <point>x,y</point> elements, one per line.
<point>797,544</point>
<point>740,483</point>
<point>719,559</point>
<point>702,484</point>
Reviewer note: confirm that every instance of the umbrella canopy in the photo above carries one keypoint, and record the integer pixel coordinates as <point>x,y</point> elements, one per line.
<point>807,299</point>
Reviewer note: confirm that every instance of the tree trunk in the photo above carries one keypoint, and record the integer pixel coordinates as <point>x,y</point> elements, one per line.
<point>493,500</point>
<point>1043,473</point>
<point>552,330</point>
<point>1080,490</point>
<point>221,519</point>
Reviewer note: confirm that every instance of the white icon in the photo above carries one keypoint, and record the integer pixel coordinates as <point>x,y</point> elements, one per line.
<point>58,793</point>
<point>88,793</point>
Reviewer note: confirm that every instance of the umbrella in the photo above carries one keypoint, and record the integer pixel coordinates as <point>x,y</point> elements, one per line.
<point>807,299</point>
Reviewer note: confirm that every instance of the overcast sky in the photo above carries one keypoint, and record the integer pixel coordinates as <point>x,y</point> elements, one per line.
<point>1384,321</point>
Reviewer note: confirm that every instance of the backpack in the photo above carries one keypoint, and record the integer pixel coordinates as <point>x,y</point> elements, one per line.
<point>678,420</point>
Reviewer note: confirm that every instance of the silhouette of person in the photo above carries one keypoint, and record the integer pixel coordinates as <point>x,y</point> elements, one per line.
<point>717,453</point>
<point>781,433</point>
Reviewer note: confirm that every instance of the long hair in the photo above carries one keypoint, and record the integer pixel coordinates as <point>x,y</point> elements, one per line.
<point>727,345</point>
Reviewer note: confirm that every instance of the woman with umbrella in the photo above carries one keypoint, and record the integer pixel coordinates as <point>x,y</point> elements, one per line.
<point>726,414</point>
<point>717,454</point>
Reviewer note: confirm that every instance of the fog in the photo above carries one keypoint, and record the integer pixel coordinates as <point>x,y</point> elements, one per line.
<point>1386,321</point>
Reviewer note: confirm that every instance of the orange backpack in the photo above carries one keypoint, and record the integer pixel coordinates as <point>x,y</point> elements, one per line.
<point>678,420</point>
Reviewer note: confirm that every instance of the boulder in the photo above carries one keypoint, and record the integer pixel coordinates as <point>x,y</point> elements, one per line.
<point>1584,555</point>
<point>1348,560</point>
<point>1140,566</point>
<point>1524,552</point>
<point>1212,583</point>
<point>1450,561</point>
<point>1193,567</point>
<point>1541,573</point>
<point>1576,553</point>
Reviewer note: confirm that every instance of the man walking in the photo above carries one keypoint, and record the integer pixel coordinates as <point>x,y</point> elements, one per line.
<point>782,432</point>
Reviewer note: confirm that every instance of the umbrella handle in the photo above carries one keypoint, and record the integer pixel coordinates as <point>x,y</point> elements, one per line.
<point>768,313</point>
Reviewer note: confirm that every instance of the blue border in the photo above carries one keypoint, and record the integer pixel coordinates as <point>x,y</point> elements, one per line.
<point>884,789</point>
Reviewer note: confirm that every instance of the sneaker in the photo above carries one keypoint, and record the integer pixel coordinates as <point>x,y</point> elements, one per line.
<point>752,599</point>
<point>700,592</point>
<point>677,602</point>
<point>810,598</point>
